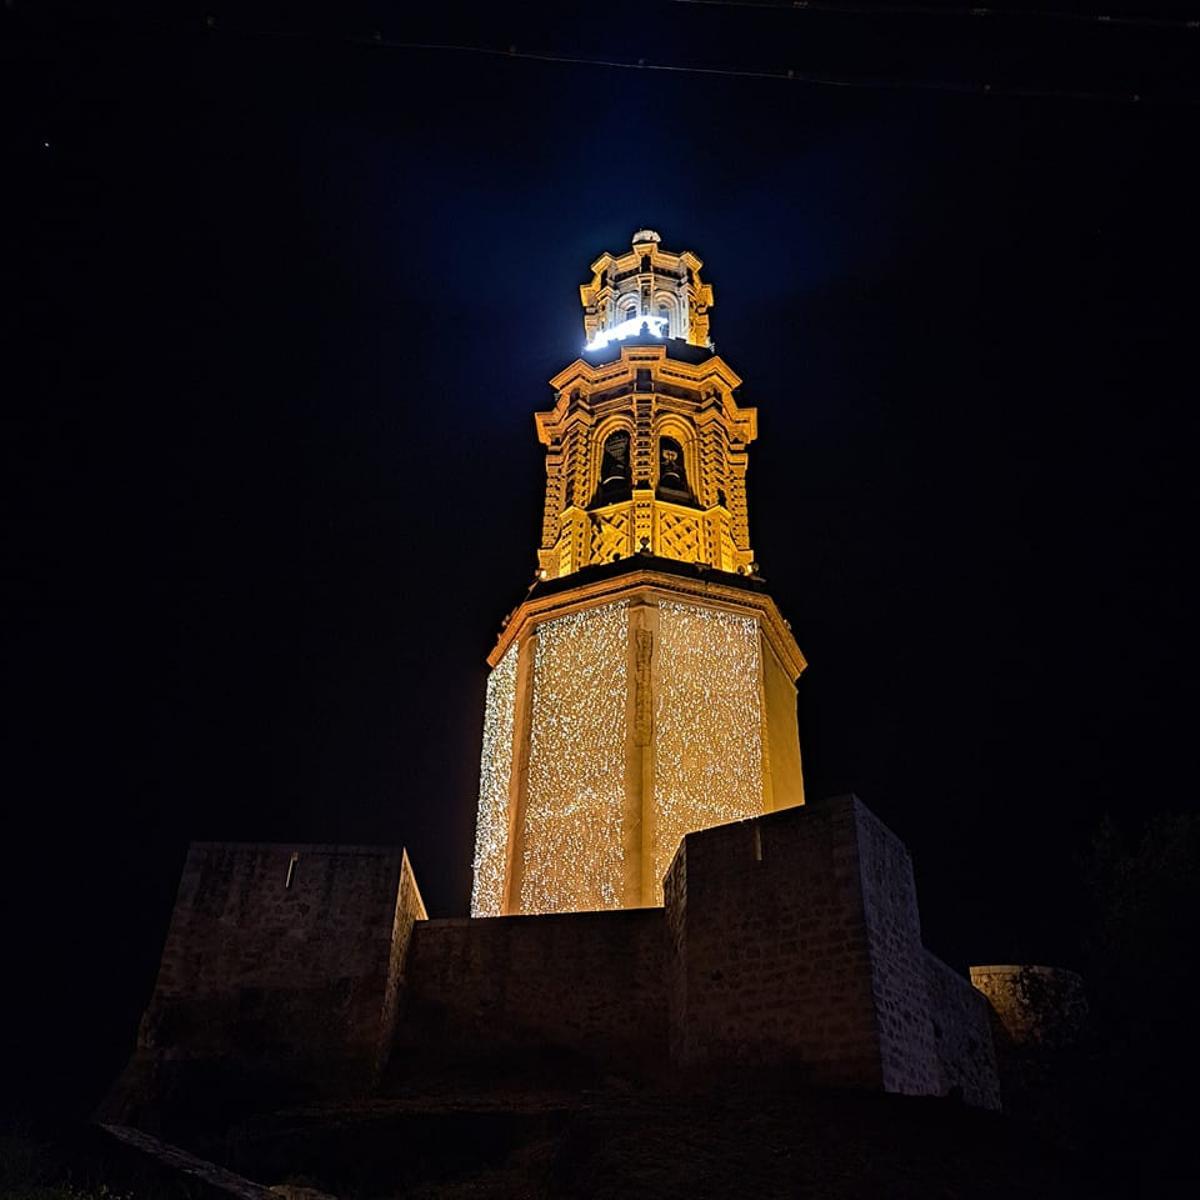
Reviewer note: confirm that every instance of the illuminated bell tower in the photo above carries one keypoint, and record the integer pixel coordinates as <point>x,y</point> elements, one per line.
<point>645,686</point>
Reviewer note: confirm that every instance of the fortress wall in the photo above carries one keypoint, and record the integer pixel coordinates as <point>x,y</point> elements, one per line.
<point>769,958</point>
<point>273,983</point>
<point>260,964</point>
<point>788,941</point>
<point>962,1036</point>
<point>410,909</point>
<point>1034,1006</point>
<point>795,937</point>
<point>589,982</point>
<point>898,976</point>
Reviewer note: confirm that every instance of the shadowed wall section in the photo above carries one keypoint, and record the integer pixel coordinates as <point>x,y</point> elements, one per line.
<point>590,983</point>
<point>279,974</point>
<point>769,957</point>
<point>788,941</point>
<point>961,1019</point>
<point>794,939</point>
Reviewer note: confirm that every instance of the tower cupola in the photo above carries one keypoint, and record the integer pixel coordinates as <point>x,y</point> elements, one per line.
<point>647,291</point>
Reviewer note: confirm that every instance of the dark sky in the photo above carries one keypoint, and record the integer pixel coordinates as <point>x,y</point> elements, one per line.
<point>285,306</point>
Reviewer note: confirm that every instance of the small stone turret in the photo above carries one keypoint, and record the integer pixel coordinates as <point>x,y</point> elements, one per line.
<point>1035,1006</point>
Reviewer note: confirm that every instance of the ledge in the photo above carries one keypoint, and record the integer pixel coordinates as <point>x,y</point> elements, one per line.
<point>676,348</point>
<point>643,573</point>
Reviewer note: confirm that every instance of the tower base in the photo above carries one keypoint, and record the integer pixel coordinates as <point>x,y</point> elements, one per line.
<point>629,705</point>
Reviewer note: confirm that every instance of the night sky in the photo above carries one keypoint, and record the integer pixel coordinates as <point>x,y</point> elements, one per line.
<point>284,307</point>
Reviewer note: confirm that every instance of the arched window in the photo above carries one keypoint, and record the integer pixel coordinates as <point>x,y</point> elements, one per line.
<point>672,473</point>
<point>614,469</point>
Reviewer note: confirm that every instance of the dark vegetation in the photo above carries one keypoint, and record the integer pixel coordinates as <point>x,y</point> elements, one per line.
<point>1123,1094</point>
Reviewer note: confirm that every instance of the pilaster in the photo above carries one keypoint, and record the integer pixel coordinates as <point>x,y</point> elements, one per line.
<point>518,787</point>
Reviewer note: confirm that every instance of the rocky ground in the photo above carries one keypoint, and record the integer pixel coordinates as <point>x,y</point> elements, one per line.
<point>608,1137</point>
<point>618,1142</point>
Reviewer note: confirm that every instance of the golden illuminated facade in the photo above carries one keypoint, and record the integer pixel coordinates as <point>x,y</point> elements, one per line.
<point>646,450</point>
<point>645,687</point>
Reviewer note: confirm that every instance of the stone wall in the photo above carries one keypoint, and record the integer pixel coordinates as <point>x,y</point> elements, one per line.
<point>410,909</point>
<point>1035,1006</point>
<point>590,983</point>
<point>788,941</point>
<point>794,938</point>
<point>962,1036</point>
<point>893,931</point>
<point>276,973</point>
<point>769,960</point>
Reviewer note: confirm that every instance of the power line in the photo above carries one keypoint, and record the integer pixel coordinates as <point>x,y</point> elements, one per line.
<point>855,8</point>
<point>782,76</point>
<point>212,28</point>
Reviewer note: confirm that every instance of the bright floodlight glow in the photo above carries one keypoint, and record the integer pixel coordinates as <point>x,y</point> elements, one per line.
<point>630,328</point>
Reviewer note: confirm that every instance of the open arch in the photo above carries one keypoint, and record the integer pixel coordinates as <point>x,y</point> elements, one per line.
<point>676,461</point>
<point>685,436</point>
<point>672,473</point>
<point>604,464</point>
<point>667,304</point>
<point>616,470</point>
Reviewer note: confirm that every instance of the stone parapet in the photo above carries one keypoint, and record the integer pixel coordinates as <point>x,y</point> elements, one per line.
<point>1035,1006</point>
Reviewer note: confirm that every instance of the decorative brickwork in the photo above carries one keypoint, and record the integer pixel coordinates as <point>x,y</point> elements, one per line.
<point>647,394</point>
<point>646,281</point>
<point>646,445</point>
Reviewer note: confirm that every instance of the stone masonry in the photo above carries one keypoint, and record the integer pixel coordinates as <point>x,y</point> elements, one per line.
<point>794,938</point>
<point>587,983</point>
<point>961,1021</point>
<point>789,941</point>
<point>281,969</point>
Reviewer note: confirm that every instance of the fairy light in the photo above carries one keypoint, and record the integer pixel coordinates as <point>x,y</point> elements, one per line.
<point>707,725</point>
<point>573,858</point>
<point>495,773</point>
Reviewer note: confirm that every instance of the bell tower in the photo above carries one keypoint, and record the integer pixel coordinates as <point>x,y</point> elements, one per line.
<point>646,450</point>
<point>645,687</point>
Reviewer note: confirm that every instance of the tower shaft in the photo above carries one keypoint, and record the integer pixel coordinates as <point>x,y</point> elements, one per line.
<point>645,687</point>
